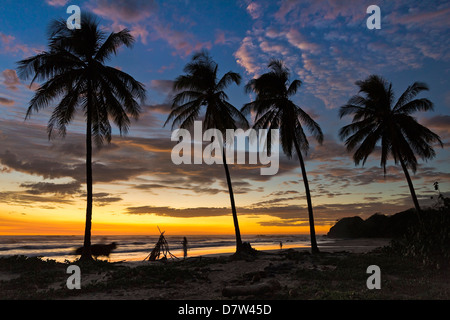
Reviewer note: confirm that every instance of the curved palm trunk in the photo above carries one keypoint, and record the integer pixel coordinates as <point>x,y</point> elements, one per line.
<point>312,231</point>
<point>233,206</point>
<point>411,188</point>
<point>86,255</point>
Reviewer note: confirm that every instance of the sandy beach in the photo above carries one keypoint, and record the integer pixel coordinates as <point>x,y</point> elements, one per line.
<point>338,272</point>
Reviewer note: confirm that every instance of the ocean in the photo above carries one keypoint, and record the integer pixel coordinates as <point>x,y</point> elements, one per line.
<point>137,248</point>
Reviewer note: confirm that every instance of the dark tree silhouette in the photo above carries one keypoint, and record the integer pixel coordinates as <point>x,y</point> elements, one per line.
<point>377,117</point>
<point>200,87</point>
<point>77,79</point>
<point>274,109</point>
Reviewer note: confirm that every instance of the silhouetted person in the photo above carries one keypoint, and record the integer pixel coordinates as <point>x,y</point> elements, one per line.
<point>281,245</point>
<point>185,247</point>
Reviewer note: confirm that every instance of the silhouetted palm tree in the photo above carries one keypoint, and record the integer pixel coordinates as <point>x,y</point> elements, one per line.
<point>78,80</point>
<point>377,117</point>
<point>274,109</point>
<point>201,87</point>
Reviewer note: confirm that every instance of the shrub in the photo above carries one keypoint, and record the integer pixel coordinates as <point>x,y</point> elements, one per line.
<point>428,240</point>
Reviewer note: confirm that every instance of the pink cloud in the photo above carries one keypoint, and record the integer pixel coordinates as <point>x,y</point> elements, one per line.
<point>296,39</point>
<point>254,9</point>
<point>9,44</point>
<point>437,18</point>
<point>184,42</point>
<point>56,3</point>
<point>11,80</point>
<point>225,39</point>
<point>124,10</point>
<point>141,32</point>
<point>246,56</point>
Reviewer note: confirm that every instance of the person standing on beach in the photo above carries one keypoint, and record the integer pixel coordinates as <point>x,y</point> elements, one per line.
<point>281,245</point>
<point>185,247</point>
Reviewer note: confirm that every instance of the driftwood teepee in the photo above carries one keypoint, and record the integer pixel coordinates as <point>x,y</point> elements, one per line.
<point>161,248</point>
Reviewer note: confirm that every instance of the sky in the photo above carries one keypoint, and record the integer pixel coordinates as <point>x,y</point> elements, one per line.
<point>325,44</point>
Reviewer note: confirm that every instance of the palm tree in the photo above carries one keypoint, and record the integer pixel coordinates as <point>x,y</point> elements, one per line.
<point>78,80</point>
<point>201,87</point>
<point>274,109</point>
<point>376,116</point>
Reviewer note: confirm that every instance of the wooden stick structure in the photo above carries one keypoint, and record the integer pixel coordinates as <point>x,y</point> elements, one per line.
<point>161,248</point>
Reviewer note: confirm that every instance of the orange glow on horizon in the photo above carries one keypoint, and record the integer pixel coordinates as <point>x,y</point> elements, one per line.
<point>38,226</point>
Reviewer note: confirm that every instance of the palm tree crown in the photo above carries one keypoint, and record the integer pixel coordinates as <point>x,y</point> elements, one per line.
<point>377,117</point>
<point>74,66</point>
<point>274,109</point>
<point>201,87</point>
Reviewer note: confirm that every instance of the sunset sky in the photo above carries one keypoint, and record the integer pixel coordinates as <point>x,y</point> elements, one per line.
<point>326,45</point>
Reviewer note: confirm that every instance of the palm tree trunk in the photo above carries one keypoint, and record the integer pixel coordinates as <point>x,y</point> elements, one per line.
<point>314,248</point>
<point>411,188</point>
<point>86,254</point>
<point>233,206</point>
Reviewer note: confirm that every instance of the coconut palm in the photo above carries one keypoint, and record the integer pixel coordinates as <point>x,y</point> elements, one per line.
<point>200,87</point>
<point>77,79</point>
<point>274,109</point>
<point>377,117</point>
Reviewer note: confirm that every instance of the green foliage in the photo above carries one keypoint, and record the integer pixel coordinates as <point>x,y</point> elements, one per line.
<point>428,241</point>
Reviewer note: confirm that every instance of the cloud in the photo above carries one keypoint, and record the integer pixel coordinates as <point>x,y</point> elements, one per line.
<point>9,45</point>
<point>179,213</point>
<point>126,159</point>
<point>286,215</point>
<point>162,86</point>
<point>22,199</point>
<point>254,9</point>
<point>6,101</point>
<point>39,188</point>
<point>11,80</point>
<point>144,21</point>
<point>246,56</point>
<point>313,38</point>
<point>436,18</point>
<point>299,41</point>
<point>184,42</point>
<point>57,3</point>
<point>439,124</point>
<point>131,11</point>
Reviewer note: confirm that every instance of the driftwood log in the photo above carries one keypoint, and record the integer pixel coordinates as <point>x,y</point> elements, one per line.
<point>252,289</point>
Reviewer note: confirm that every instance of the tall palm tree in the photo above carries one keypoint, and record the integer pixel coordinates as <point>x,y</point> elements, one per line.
<point>77,79</point>
<point>274,109</point>
<point>201,87</point>
<point>377,117</point>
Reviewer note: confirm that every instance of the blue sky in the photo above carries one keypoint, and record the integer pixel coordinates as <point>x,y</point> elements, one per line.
<point>326,44</point>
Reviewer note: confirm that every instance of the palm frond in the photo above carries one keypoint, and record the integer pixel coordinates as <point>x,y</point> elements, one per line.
<point>310,124</point>
<point>227,79</point>
<point>113,43</point>
<point>415,105</point>
<point>412,91</point>
<point>294,86</point>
